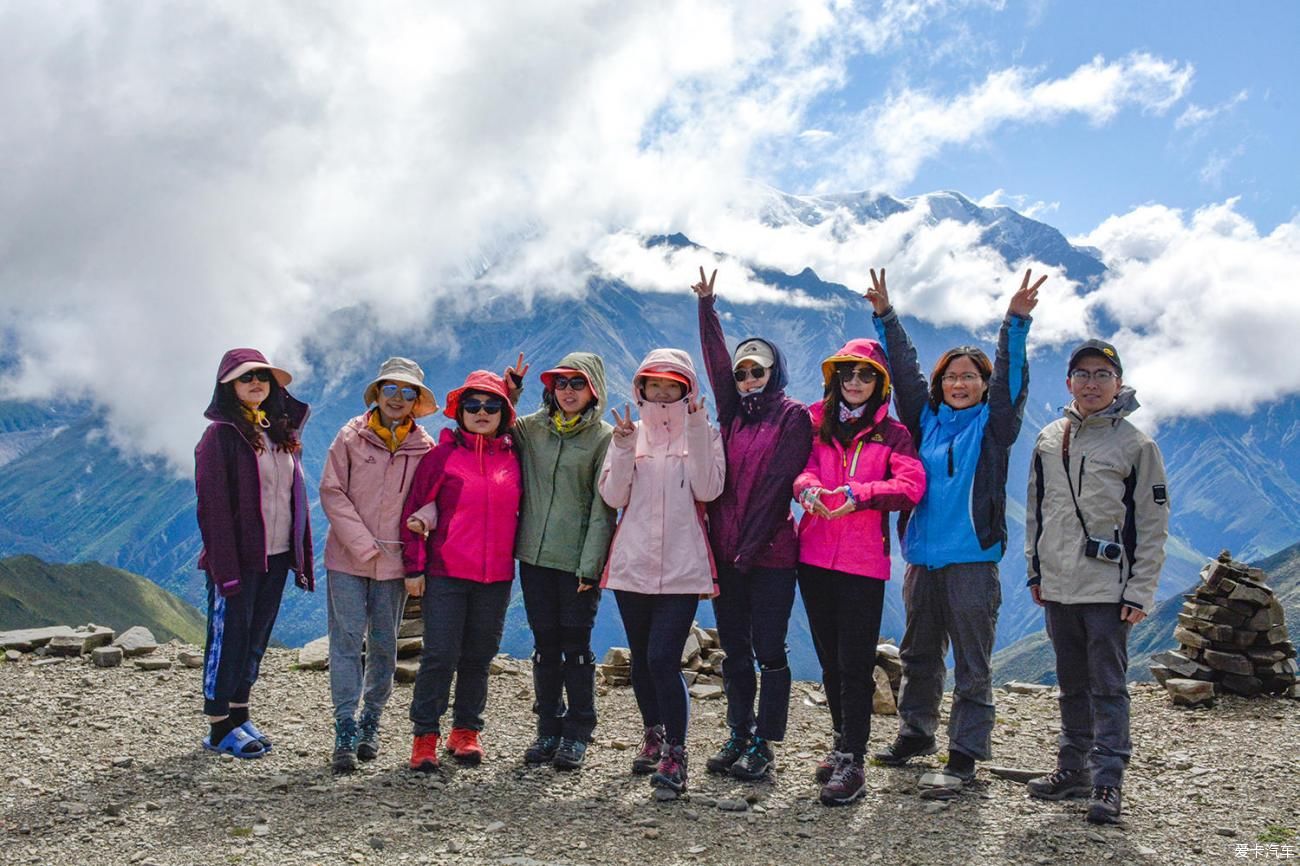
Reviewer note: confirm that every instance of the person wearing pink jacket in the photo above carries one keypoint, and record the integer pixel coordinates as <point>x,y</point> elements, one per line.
<point>863,465</point>
<point>363,486</point>
<point>459,535</point>
<point>660,471</point>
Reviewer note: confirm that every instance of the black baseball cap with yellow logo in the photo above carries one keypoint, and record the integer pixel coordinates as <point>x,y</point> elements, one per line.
<point>1097,347</point>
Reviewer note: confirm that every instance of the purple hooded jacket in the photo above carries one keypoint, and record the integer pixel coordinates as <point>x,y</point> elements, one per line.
<point>767,438</point>
<point>229,489</point>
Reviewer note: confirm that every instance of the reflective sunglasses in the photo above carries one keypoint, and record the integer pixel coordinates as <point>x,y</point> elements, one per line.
<point>389,391</point>
<point>865,375</point>
<point>262,375</point>
<point>576,383</point>
<point>755,372</point>
<point>492,406</point>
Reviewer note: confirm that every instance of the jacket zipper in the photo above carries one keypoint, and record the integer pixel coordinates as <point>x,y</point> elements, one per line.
<point>950,466</point>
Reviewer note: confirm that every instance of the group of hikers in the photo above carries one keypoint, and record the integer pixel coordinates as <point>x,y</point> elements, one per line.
<point>665,510</point>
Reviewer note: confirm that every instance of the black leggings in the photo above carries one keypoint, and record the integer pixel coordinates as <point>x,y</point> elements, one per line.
<point>563,664</point>
<point>657,627</point>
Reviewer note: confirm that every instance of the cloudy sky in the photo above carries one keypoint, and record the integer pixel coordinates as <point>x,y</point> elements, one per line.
<point>180,178</point>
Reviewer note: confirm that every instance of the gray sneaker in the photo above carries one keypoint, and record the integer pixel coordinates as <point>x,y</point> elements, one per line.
<point>1103,805</point>
<point>1061,784</point>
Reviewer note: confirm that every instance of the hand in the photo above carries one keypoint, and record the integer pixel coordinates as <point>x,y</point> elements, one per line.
<point>1036,593</point>
<point>415,586</point>
<point>623,426</point>
<point>417,526</point>
<point>847,507</point>
<point>694,404</point>
<point>878,295</point>
<point>514,377</point>
<point>704,288</point>
<point>1132,614</point>
<point>1026,298</point>
<point>585,587</point>
<point>812,502</point>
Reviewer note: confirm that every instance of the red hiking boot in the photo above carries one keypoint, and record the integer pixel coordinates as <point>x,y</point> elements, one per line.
<point>464,746</point>
<point>424,753</point>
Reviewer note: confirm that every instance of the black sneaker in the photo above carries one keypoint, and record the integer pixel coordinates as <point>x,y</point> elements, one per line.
<point>848,781</point>
<point>1103,805</point>
<point>542,750</point>
<point>1061,784</point>
<point>730,752</point>
<point>570,754</point>
<point>904,749</point>
<point>345,746</point>
<point>755,763</point>
<point>368,736</point>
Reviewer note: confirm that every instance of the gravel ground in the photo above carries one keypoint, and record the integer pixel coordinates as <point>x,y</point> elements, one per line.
<point>105,768</point>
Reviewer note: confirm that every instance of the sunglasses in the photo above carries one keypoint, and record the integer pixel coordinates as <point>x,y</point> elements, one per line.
<point>751,373</point>
<point>576,383</point>
<point>390,391</point>
<point>865,375</point>
<point>473,407</point>
<point>259,375</point>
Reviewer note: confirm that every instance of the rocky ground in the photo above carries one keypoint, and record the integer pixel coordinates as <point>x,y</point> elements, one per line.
<point>104,767</point>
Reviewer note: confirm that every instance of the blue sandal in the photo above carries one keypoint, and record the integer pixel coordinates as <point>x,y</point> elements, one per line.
<point>235,743</point>
<point>251,729</point>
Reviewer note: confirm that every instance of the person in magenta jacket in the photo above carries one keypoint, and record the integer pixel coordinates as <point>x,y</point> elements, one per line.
<point>863,465</point>
<point>660,471</point>
<point>459,533</point>
<point>367,474</point>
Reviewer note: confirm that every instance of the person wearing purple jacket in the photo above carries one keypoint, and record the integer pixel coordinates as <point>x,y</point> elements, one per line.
<point>767,438</point>
<point>252,515</point>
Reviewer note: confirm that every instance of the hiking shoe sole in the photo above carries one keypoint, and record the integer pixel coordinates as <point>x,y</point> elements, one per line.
<point>889,759</point>
<point>844,801</point>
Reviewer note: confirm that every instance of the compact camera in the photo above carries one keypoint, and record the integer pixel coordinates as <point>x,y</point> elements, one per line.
<point>1106,551</point>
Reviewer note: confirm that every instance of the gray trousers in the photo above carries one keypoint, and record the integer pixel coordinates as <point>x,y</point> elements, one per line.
<point>1091,644</point>
<point>363,612</point>
<point>959,603</point>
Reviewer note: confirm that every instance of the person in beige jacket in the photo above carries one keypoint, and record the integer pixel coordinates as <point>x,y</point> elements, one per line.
<point>1097,518</point>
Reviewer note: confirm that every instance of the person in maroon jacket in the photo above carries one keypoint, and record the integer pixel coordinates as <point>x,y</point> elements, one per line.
<point>252,514</point>
<point>767,438</point>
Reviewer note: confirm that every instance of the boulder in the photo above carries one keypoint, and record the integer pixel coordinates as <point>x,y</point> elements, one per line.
<point>703,638</point>
<point>315,656</point>
<point>882,700</point>
<point>1229,663</point>
<point>1161,674</point>
<point>1183,666</point>
<point>1256,596</point>
<point>106,656</point>
<point>1189,638</point>
<point>27,639</point>
<point>690,649</point>
<point>80,642</point>
<point>1190,693</point>
<point>1267,617</point>
<point>1239,685</point>
<point>155,664</point>
<point>618,656</point>
<point>136,641</point>
<point>705,691</point>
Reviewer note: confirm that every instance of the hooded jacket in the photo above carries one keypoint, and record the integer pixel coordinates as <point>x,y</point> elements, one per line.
<point>476,484</point>
<point>660,477</point>
<point>767,438</point>
<point>228,485</point>
<point>962,517</point>
<point>882,471</point>
<point>1118,477</point>
<point>563,522</point>
<point>363,488</point>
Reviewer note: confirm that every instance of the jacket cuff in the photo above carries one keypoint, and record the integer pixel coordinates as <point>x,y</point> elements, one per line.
<point>1036,580</point>
<point>1132,604</point>
<point>589,580</point>
<point>411,575</point>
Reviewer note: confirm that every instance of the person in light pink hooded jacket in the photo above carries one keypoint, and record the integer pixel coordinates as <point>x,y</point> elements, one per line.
<point>660,471</point>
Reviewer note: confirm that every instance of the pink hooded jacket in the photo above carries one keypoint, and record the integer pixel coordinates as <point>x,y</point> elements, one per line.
<point>660,478</point>
<point>882,471</point>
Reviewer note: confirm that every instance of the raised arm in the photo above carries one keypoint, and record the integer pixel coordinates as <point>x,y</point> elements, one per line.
<point>717,360</point>
<point>706,463</point>
<point>615,484</point>
<point>911,393</point>
<point>1009,387</point>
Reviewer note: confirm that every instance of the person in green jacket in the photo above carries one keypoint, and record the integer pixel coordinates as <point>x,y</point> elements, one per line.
<point>563,537</point>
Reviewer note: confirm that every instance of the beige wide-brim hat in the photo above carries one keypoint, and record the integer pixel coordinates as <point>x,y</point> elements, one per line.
<point>281,376</point>
<point>407,372</point>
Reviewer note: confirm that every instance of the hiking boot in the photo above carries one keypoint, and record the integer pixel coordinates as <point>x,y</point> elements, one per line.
<point>570,754</point>
<point>730,752</point>
<point>465,746</point>
<point>1061,784</point>
<point>826,765</point>
<point>904,749</point>
<point>647,758</point>
<point>542,750</point>
<point>368,736</point>
<point>424,753</point>
<point>1103,805</point>
<point>755,763</point>
<point>345,746</point>
<point>847,783</point>
<point>671,774</point>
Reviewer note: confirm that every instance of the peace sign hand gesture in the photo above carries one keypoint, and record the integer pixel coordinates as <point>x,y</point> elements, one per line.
<point>704,288</point>
<point>514,377</point>
<point>624,426</point>
<point>695,404</point>
<point>1026,297</point>
<point>878,295</point>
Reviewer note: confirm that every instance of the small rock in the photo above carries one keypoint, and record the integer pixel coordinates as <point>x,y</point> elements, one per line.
<point>496,827</point>
<point>123,761</point>
<point>935,806</point>
<point>315,655</point>
<point>136,641</point>
<point>1019,688</point>
<point>619,745</point>
<point>706,692</point>
<point>190,658</point>
<point>376,843</point>
<point>1190,693</point>
<point>650,833</point>
<point>697,849</point>
<point>106,656</point>
<point>153,664</point>
<point>733,805</point>
<point>261,830</point>
<point>1225,831</point>
<point>44,663</point>
<point>13,655</point>
<point>882,700</point>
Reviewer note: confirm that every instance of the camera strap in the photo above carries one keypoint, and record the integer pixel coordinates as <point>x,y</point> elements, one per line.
<point>1065,458</point>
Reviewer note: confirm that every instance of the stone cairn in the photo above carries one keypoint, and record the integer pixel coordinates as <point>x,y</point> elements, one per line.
<point>1232,638</point>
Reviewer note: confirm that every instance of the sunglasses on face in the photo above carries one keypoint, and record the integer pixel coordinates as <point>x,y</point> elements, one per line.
<point>390,391</point>
<point>752,373</point>
<point>259,375</point>
<point>492,406</point>
<point>865,375</point>
<point>576,383</point>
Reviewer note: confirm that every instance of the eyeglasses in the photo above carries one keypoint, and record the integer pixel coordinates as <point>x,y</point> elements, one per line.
<point>492,406</point>
<point>865,375</point>
<point>262,375</point>
<point>389,391</point>
<point>1101,377</point>
<point>755,372</point>
<point>575,383</point>
<point>963,378</point>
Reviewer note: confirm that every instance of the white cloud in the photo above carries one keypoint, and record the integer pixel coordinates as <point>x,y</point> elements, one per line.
<point>1211,173</point>
<point>1195,115</point>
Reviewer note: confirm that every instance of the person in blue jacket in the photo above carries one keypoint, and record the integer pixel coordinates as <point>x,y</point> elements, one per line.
<point>965,421</point>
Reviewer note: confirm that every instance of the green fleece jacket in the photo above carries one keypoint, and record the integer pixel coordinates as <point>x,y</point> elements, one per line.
<point>563,522</point>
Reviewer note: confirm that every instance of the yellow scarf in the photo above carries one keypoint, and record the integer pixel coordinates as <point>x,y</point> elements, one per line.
<point>563,426</point>
<point>256,417</point>
<point>391,438</point>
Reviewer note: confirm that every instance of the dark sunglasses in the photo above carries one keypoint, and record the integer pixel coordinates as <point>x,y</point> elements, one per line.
<point>259,375</point>
<point>390,391</point>
<point>473,407</point>
<point>751,373</point>
<point>866,375</point>
<point>576,383</point>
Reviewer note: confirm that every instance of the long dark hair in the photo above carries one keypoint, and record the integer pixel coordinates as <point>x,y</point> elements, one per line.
<point>977,357</point>
<point>503,425</point>
<point>280,433</point>
<point>831,428</point>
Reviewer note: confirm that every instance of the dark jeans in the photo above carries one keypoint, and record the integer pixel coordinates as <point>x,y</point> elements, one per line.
<point>753,613</point>
<point>657,627</point>
<point>463,620</point>
<point>844,618</point>
<point>958,602</point>
<point>239,628</point>
<point>1091,644</point>
<point>561,619</point>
